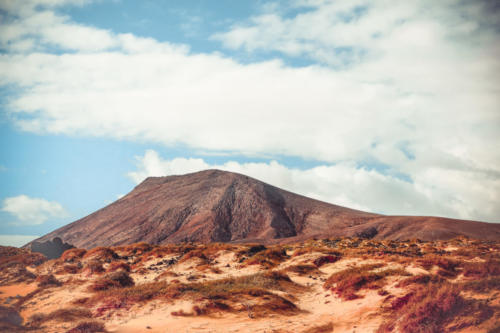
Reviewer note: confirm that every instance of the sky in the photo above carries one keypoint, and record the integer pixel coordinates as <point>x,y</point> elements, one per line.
<point>385,106</point>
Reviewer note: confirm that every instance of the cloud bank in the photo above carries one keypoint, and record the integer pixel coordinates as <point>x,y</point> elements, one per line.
<point>348,185</point>
<point>32,211</point>
<point>409,88</point>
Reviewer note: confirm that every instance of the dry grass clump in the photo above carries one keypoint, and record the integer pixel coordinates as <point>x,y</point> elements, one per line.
<point>159,251</point>
<point>251,250</point>
<point>320,329</point>
<point>62,315</point>
<point>256,287</point>
<point>15,274</point>
<point>228,292</point>
<point>302,269</point>
<point>68,269</point>
<point>93,267</point>
<point>10,256</point>
<point>195,253</point>
<point>101,253</point>
<point>489,268</point>
<point>483,286</point>
<point>348,282</point>
<point>73,254</point>
<point>88,327</point>
<point>166,274</point>
<point>208,267</point>
<point>313,247</point>
<point>206,252</point>
<point>432,308</point>
<point>47,281</point>
<point>137,249</point>
<point>205,309</point>
<point>259,305</point>
<point>224,288</point>
<point>420,279</point>
<point>13,263</point>
<point>117,279</point>
<point>447,266</point>
<point>118,265</point>
<point>268,258</point>
<point>318,262</point>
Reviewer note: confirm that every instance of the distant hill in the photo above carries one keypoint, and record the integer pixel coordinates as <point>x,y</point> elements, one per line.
<point>220,206</point>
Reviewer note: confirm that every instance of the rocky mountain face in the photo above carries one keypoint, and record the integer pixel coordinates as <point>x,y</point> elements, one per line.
<point>219,206</point>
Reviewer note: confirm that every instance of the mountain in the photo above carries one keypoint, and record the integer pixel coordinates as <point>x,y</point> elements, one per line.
<point>219,206</point>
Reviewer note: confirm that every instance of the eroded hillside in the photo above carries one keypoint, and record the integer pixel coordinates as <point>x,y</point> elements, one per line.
<point>341,285</point>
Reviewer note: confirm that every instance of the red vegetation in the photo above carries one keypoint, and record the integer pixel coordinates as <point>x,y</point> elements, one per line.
<point>47,280</point>
<point>432,308</point>
<point>88,327</point>
<point>93,267</point>
<point>101,253</point>
<point>489,268</point>
<point>325,260</point>
<point>118,265</point>
<point>114,280</point>
<point>268,258</point>
<point>64,315</point>
<point>73,254</point>
<point>302,269</point>
<point>348,282</point>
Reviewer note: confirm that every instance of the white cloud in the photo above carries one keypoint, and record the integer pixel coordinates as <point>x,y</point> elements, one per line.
<point>32,211</point>
<point>418,94</point>
<point>16,240</point>
<point>432,193</point>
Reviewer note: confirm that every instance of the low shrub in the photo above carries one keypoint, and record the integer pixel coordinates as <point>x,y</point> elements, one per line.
<point>64,315</point>
<point>68,269</point>
<point>269,258</point>
<point>318,262</point>
<point>118,265</point>
<point>445,264</point>
<point>326,328</point>
<point>117,279</point>
<point>11,256</point>
<point>302,269</point>
<point>47,281</point>
<point>348,282</point>
<point>482,286</point>
<point>419,279</point>
<point>93,267</point>
<point>254,285</point>
<point>433,307</point>
<point>489,268</point>
<point>73,254</point>
<point>101,253</point>
<point>88,327</point>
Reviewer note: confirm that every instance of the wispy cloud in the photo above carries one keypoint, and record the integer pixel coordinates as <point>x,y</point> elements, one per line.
<point>32,211</point>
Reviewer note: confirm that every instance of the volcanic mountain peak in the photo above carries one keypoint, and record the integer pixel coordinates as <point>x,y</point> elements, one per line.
<point>221,206</point>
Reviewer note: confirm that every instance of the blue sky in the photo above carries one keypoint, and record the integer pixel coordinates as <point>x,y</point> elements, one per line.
<point>389,107</point>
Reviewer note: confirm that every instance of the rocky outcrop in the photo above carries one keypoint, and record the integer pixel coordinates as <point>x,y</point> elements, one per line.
<point>51,249</point>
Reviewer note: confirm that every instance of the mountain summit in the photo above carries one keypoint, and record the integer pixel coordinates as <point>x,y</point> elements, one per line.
<point>220,206</point>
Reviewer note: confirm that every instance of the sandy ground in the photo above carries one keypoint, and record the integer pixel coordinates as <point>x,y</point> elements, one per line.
<point>318,307</point>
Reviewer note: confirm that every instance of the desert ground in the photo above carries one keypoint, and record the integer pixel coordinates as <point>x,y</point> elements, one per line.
<point>322,285</point>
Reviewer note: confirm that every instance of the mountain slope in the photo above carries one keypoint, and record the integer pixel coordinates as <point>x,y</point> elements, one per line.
<point>221,206</point>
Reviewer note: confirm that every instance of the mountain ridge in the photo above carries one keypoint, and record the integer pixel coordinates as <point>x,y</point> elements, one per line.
<point>220,206</point>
